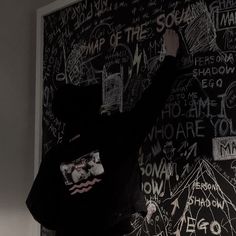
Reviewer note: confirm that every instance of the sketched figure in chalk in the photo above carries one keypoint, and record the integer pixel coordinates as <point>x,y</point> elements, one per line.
<point>151,209</point>
<point>153,219</point>
<point>148,225</point>
<point>112,93</point>
<point>169,150</point>
<point>171,167</point>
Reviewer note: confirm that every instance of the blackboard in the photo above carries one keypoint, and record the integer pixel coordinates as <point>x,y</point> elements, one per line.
<point>188,158</point>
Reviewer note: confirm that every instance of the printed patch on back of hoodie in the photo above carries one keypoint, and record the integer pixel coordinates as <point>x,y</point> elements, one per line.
<point>83,174</point>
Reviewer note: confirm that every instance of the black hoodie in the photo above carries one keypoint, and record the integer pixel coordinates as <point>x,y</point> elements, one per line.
<point>91,184</point>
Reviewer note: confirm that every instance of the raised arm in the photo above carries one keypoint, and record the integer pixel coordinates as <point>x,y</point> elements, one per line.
<point>154,97</point>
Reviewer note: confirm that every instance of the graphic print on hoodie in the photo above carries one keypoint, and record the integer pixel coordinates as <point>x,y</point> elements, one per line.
<point>82,174</point>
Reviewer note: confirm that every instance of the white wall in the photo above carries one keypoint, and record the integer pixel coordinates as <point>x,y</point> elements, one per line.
<point>17,83</point>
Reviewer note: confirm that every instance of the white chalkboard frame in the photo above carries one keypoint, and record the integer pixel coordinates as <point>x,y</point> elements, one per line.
<point>41,13</point>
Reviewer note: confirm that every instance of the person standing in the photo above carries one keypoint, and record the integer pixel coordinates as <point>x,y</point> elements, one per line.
<point>102,203</point>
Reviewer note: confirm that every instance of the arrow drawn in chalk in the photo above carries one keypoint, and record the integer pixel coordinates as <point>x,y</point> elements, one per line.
<point>175,203</point>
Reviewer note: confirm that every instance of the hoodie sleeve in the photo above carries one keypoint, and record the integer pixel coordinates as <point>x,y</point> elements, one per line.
<point>153,99</point>
<point>42,200</point>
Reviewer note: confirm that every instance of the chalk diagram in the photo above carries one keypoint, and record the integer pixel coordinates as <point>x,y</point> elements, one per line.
<point>202,204</point>
<point>154,224</point>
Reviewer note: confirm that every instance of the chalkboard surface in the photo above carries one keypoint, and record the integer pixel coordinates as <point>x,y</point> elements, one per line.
<point>188,159</point>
